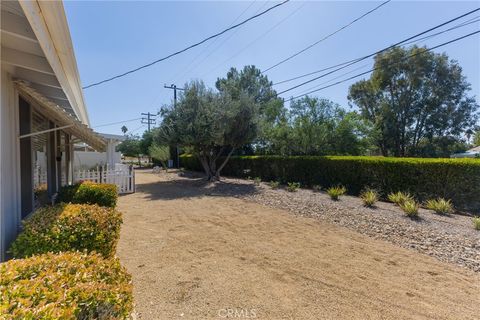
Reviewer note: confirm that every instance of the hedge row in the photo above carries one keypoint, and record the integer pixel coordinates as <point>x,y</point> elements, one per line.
<point>455,179</point>
<point>69,270</point>
<point>69,227</point>
<point>70,285</point>
<point>90,193</point>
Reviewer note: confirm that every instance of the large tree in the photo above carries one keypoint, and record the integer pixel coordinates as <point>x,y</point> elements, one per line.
<point>412,96</point>
<point>251,82</point>
<point>130,147</point>
<point>210,124</point>
<point>317,126</point>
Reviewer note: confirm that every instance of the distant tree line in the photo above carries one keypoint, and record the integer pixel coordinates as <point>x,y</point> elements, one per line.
<point>414,104</point>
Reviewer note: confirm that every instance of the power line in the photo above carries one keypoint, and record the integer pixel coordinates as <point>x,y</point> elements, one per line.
<point>135,130</point>
<point>373,69</point>
<point>326,37</point>
<point>258,38</point>
<point>189,68</point>
<point>118,122</point>
<point>351,62</point>
<point>403,42</point>
<point>363,66</point>
<point>187,48</point>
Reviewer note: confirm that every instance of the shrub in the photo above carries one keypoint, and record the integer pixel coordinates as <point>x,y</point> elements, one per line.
<point>257,181</point>
<point>410,207</point>
<point>69,227</point>
<point>369,197</point>
<point>66,193</point>
<point>104,195</point>
<point>88,192</point>
<point>293,186</point>
<point>65,286</point>
<point>274,184</point>
<point>425,178</point>
<point>440,206</point>
<point>399,197</point>
<point>317,188</point>
<point>336,192</point>
<point>476,223</point>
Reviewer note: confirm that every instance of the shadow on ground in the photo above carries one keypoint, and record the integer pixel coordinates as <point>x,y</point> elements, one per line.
<point>192,185</point>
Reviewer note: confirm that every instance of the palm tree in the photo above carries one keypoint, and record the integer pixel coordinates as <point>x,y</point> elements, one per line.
<point>124,129</point>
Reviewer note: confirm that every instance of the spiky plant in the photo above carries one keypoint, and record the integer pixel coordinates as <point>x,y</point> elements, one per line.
<point>336,192</point>
<point>400,197</point>
<point>369,197</point>
<point>440,205</point>
<point>410,207</point>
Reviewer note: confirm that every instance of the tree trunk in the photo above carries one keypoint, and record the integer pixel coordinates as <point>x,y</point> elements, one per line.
<point>209,164</point>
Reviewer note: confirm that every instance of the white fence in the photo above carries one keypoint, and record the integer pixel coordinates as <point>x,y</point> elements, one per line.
<point>122,176</point>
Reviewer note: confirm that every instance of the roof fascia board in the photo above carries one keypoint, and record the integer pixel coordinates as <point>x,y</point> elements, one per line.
<point>51,49</point>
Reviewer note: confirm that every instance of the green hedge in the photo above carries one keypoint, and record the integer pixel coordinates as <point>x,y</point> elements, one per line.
<point>90,193</point>
<point>65,286</point>
<point>69,227</point>
<point>456,179</point>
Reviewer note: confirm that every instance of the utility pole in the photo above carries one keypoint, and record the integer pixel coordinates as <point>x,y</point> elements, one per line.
<point>175,88</point>
<point>150,119</point>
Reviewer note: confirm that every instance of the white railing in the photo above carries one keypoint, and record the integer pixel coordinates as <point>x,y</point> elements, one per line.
<point>122,176</point>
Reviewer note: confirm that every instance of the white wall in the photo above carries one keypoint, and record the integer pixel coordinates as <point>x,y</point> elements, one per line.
<point>9,164</point>
<point>87,159</point>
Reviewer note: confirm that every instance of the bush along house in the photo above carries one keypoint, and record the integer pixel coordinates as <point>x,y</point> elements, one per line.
<point>42,111</point>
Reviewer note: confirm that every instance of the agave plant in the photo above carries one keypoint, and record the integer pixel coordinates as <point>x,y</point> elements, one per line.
<point>440,205</point>
<point>476,223</point>
<point>410,207</point>
<point>369,197</point>
<point>336,192</point>
<point>400,197</point>
<point>293,186</point>
<point>274,184</point>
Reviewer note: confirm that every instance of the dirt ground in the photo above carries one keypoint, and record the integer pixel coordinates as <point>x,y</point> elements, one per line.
<point>196,255</point>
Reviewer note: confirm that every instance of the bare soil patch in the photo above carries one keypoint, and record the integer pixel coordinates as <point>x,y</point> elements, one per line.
<point>197,252</point>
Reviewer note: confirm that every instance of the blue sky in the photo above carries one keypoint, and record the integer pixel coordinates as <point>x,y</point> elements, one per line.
<point>113,37</point>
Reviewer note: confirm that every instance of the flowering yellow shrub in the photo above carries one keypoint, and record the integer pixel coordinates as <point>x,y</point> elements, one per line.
<point>65,286</point>
<point>88,192</point>
<point>69,227</point>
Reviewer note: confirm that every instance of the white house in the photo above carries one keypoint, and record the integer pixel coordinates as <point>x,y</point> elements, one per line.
<point>42,110</point>
<point>472,153</point>
<point>85,157</point>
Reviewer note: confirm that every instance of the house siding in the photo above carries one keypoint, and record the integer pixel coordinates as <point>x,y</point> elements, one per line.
<point>9,164</point>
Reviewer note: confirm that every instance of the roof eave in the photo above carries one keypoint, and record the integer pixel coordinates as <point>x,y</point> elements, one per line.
<point>49,23</point>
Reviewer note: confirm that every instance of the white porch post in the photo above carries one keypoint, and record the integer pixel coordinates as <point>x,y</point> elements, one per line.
<point>111,145</point>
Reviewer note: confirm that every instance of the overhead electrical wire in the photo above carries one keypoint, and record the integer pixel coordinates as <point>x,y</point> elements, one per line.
<point>118,122</point>
<point>363,66</point>
<point>373,69</point>
<point>468,22</point>
<point>258,38</point>
<point>136,129</point>
<point>351,62</point>
<point>189,67</point>
<point>326,37</point>
<point>189,47</point>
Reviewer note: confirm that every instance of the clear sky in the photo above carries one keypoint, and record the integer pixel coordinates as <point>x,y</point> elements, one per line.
<point>113,37</point>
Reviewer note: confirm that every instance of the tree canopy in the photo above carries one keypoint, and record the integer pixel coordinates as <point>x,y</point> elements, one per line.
<point>414,97</point>
<point>211,124</point>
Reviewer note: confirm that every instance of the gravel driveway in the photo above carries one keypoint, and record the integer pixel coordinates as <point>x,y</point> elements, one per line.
<point>197,252</point>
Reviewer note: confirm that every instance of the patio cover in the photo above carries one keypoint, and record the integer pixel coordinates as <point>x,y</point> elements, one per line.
<point>61,117</point>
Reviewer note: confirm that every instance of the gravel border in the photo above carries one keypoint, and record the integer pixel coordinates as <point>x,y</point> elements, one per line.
<point>449,238</point>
